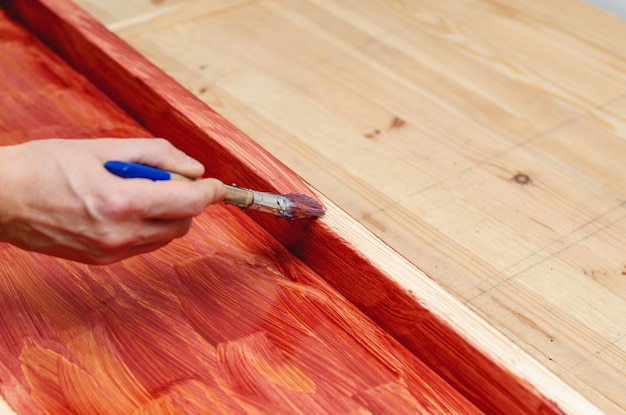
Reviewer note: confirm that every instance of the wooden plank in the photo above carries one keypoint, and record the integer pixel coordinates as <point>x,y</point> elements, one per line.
<point>465,351</point>
<point>416,117</point>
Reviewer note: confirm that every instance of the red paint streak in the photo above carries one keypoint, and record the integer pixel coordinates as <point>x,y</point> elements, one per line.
<point>222,329</point>
<point>237,295</point>
<point>42,99</point>
<point>388,395</point>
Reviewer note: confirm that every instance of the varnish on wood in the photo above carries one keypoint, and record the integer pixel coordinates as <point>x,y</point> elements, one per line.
<point>216,323</point>
<point>246,314</point>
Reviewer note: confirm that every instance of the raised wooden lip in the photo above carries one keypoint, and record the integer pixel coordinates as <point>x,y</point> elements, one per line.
<point>480,362</point>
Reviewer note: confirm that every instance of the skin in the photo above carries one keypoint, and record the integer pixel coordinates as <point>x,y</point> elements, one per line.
<point>57,198</point>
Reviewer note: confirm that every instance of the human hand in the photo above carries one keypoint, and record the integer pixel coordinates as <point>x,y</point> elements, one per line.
<point>57,198</point>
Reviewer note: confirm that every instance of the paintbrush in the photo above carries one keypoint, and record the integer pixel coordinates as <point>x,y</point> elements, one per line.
<point>289,206</point>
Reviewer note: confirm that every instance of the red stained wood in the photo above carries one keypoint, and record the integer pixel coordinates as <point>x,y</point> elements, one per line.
<point>39,99</point>
<point>223,330</point>
<point>248,324</point>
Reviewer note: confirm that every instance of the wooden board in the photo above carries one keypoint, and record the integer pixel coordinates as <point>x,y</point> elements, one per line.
<point>482,139</point>
<point>82,330</point>
<point>224,321</point>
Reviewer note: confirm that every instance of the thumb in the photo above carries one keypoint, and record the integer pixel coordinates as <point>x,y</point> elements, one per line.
<point>214,190</point>
<point>183,199</point>
<point>162,154</point>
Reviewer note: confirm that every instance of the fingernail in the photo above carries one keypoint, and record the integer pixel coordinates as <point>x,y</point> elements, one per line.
<point>191,162</point>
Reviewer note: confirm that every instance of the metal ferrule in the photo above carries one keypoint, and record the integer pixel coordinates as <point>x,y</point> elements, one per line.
<point>263,202</point>
<point>270,203</point>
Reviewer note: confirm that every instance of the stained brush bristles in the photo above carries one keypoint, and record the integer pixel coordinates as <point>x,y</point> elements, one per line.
<point>303,206</point>
<point>291,206</point>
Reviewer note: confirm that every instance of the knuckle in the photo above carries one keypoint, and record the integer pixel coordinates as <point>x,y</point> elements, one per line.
<point>117,207</point>
<point>105,259</point>
<point>163,144</point>
<point>110,242</point>
<point>183,228</point>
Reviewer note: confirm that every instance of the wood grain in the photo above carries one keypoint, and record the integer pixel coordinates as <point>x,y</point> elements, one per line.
<point>423,120</point>
<point>224,321</point>
<point>460,347</point>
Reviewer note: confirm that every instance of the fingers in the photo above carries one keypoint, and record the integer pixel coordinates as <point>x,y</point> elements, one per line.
<point>186,199</point>
<point>160,153</point>
<point>122,244</point>
<point>115,256</point>
<point>159,231</point>
<point>163,199</point>
<point>155,152</point>
<point>151,235</point>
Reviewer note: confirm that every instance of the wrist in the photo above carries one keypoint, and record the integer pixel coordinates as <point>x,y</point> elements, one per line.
<point>8,155</point>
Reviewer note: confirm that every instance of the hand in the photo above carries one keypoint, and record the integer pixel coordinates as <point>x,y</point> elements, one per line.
<point>57,198</point>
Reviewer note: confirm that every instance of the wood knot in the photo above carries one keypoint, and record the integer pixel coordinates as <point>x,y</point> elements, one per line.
<point>397,122</point>
<point>521,178</point>
<point>373,134</point>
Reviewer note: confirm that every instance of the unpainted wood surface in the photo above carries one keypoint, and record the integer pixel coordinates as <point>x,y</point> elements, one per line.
<point>482,139</point>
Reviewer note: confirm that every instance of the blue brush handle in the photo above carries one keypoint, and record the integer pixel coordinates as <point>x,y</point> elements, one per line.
<point>136,171</point>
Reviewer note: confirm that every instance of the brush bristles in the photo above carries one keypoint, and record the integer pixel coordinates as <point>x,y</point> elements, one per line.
<point>302,206</point>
